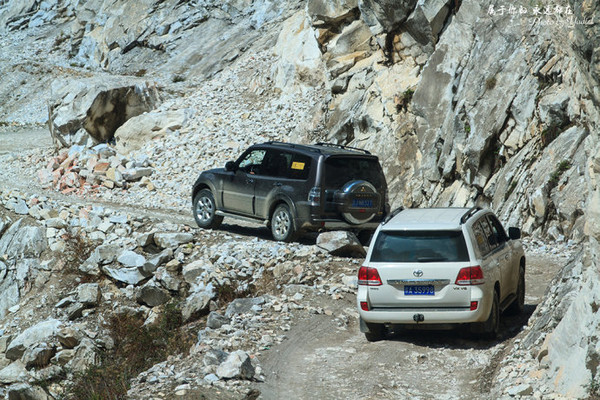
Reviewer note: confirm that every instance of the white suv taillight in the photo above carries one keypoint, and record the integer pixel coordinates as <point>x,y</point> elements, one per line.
<point>314,195</point>
<point>369,276</point>
<point>470,276</point>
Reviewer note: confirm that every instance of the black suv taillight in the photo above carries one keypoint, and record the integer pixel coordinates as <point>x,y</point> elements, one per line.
<point>314,195</point>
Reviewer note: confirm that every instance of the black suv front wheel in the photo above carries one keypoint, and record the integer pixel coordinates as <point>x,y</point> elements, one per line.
<point>205,210</point>
<point>282,224</point>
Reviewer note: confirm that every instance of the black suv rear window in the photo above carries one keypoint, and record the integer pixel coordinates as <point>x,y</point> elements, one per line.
<point>340,170</point>
<point>420,246</point>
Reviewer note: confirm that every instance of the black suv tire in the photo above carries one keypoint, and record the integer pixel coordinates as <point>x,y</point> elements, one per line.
<point>282,224</point>
<point>204,210</point>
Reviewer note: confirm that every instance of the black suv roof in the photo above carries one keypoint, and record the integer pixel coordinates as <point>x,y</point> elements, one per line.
<point>318,148</point>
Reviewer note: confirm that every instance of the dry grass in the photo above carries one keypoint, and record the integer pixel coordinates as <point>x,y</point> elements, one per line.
<point>137,348</point>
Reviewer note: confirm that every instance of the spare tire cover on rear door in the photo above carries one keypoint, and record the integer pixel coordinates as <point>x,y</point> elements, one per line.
<point>358,201</point>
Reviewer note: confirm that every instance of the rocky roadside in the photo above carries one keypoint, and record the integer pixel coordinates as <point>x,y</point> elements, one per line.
<point>235,293</point>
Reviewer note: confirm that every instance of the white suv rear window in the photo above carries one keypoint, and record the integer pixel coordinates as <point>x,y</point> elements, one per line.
<point>419,246</point>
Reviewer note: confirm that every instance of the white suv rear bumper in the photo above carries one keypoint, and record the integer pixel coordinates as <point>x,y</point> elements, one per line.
<point>429,315</point>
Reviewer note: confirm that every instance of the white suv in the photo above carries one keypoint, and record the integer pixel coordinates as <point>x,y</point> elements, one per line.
<point>439,267</point>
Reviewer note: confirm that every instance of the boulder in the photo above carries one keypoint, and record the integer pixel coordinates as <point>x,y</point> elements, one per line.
<point>154,262</point>
<point>112,108</point>
<point>9,287</point>
<point>427,20</point>
<point>130,276</point>
<point>84,357</point>
<point>326,12</point>
<point>135,174</point>
<point>216,320</point>
<point>99,104</point>
<point>131,259</point>
<point>196,304</point>
<point>237,365</point>
<point>341,243</point>
<point>23,241</point>
<point>41,332</point>
<point>134,133</point>
<point>89,294</point>
<point>38,356</point>
<point>167,280</point>
<point>75,310</point>
<point>21,207</point>
<point>104,254</point>
<point>24,391</point>
<point>152,295</point>
<point>15,372</point>
<point>193,270</point>
<point>168,240</point>
<point>385,16</point>
<point>243,306</point>
<point>68,337</point>
<point>214,357</point>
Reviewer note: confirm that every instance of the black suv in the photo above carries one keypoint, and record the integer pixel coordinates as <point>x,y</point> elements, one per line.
<point>293,188</point>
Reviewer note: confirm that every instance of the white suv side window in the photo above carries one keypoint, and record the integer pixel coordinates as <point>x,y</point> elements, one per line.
<point>481,238</point>
<point>497,229</point>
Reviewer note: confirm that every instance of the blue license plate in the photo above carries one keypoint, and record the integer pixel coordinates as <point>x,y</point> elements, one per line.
<point>362,203</point>
<point>419,290</point>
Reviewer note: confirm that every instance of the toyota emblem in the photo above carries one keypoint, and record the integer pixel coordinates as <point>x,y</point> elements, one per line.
<point>418,273</point>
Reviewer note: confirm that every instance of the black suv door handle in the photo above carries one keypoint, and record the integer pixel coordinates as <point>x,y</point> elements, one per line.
<point>277,184</point>
<point>249,180</point>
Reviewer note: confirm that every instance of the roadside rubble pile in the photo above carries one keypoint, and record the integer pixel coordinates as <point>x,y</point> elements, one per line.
<point>84,171</point>
<point>238,294</point>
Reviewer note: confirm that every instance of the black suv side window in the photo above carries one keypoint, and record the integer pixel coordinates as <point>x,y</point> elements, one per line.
<point>253,161</point>
<point>283,164</point>
<point>299,167</point>
<point>276,163</point>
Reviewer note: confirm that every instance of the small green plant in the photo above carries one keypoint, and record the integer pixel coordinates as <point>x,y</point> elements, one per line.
<point>467,128</point>
<point>403,100</point>
<point>408,95</point>
<point>593,388</point>
<point>561,167</point>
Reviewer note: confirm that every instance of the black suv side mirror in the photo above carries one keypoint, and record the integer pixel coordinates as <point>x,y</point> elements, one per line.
<point>514,233</point>
<point>229,166</point>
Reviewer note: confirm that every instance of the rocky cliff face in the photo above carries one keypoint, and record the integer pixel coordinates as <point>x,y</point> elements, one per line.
<point>466,102</point>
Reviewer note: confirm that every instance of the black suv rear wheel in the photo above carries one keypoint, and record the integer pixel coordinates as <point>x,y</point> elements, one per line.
<point>205,209</point>
<point>282,224</point>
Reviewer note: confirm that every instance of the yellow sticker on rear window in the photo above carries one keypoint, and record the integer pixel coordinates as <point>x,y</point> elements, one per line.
<point>298,165</point>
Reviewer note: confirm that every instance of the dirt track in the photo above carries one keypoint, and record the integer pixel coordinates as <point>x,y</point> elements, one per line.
<point>322,360</point>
